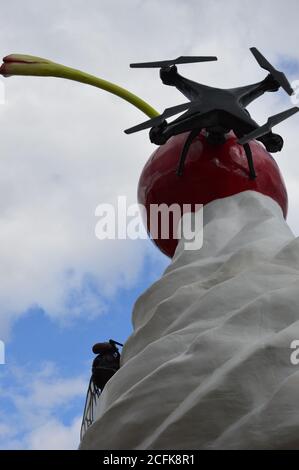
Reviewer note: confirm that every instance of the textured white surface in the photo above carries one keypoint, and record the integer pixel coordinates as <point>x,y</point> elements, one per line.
<point>208,365</point>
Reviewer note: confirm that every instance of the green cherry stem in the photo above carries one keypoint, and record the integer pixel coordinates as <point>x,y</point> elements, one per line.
<point>19,64</point>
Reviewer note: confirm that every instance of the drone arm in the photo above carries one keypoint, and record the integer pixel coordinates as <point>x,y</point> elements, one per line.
<point>250,93</point>
<point>190,89</point>
<point>169,75</point>
<point>186,123</point>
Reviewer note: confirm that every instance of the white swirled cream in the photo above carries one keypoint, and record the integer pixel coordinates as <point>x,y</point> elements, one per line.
<point>209,363</point>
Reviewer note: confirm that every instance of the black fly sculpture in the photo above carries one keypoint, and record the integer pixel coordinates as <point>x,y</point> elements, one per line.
<point>104,366</point>
<point>216,110</point>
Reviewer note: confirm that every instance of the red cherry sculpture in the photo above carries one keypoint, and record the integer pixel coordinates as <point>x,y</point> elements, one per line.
<point>211,172</point>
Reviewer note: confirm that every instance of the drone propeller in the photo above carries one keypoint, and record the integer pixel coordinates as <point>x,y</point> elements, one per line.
<point>279,76</point>
<point>156,121</point>
<point>178,60</point>
<point>271,122</point>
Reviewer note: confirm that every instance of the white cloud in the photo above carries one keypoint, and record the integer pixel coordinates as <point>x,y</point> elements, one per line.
<point>34,401</point>
<point>53,435</point>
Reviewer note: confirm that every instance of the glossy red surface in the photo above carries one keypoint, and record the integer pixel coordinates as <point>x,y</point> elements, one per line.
<point>211,172</point>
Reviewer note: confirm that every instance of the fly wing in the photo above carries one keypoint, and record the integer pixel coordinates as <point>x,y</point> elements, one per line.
<point>93,393</point>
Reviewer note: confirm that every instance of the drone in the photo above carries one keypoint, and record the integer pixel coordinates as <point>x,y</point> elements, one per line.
<point>215,110</point>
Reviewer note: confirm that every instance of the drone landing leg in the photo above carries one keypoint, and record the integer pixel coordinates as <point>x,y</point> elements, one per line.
<point>248,153</point>
<point>186,147</point>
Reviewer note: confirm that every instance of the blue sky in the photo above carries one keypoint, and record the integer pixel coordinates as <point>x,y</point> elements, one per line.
<point>36,335</point>
<point>63,152</point>
<point>37,343</point>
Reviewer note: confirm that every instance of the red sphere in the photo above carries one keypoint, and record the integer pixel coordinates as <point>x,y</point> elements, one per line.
<point>211,172</point>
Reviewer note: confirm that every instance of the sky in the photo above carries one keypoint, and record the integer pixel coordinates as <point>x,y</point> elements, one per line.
<point>63,152</point>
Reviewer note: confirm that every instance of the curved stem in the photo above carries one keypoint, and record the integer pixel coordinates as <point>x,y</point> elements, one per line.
<point>18,64</point>
<point>78,76</point>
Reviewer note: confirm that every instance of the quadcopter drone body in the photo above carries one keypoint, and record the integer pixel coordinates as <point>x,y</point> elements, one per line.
<point>216,110</point>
